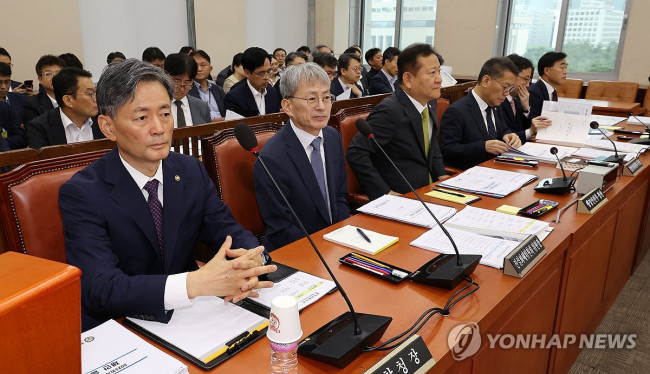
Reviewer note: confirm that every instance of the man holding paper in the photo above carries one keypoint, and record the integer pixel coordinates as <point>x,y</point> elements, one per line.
<point>473,130</point>
<point>133,218</point>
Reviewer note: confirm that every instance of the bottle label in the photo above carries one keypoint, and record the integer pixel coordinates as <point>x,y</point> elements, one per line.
<point>279,347</point>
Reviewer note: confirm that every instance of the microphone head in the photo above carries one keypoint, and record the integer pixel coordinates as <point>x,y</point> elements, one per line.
<point>245,136</point>
<point>630,113</point>
<point>364,127</point>
<point>593,125</point>
<point>553,150</point>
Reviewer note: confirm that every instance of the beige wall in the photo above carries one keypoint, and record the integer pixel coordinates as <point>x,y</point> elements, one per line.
<point>635,62</point>
<point>220,27</point>
<point>26,39</point>
<point>332,24</point>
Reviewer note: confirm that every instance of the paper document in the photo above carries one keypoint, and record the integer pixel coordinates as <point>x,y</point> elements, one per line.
<point>492,249</point>
<point>591,154</point>
<point>304,287</point>
<point>350,237</point>
<point>204,328</point>
<point>232,115</point>
<point>635,121</point>
<point>620,146</point>
<point>540,152</point>
<point>487,181</point>
<point>567,129</point>
<point>579,108</point>
<point>490,222</point>
<point>407,210</point>
<point>607,121</point>
<point>111,347</point>
<point>447,79</point>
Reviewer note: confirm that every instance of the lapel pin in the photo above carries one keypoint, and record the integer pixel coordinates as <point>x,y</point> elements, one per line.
<point>177,178</point>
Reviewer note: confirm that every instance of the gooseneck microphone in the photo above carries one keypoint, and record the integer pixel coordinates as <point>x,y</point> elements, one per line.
<point>554,153</point>
<point>616,157</point>
<point>557,186</point>
<point>647,129</point>
<point>442,272</point>
<point>341,340</point>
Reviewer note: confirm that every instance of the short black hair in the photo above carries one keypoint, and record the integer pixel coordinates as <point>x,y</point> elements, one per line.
<point>303,48</point>
<point>71,60</point>
<point>496,66</point>
<point>187,49</point>
<point>292,56</point>
<point>371,53</point>
<point>181,63</point>
<point>408,58</point>
<point>113,55</point>
<point>389,54</point>
<point>548,60</point>
<point>279,49</point>
<point>344,60</point>
<point>236,61</point>
<point>48,60</point>
<point>352,50</point>
<point>522,63</point>
<point>152,53</point>
<point>5,69</point>
<point>253,58</point>
<point>201,53</point>
<point>3,52</point>
<point>66,82</point>
<point>325,59</point>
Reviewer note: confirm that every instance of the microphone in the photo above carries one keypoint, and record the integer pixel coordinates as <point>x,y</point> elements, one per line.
<point>341,340</point>
<point>647,129</point>
<point>442,271</point>
<point>557,186</point>
<point>616,157</point>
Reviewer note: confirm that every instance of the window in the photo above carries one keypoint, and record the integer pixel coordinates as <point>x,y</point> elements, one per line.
<point>590,32</point>
<point>406,21</point>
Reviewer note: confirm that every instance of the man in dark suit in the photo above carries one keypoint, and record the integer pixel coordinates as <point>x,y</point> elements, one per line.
<point>405,125</point>
<point>46,68</point>
<point>552,69</point>
<point>293,58</point>
<point>114,212</point>
<point>15,86</point>
<point>473,130</point>
<point>75,118</point>
<point>15,134</point>
<point>254,96</point>
<point>374,58</point>
<point>187,110</point>
<point>306,158</point>
<point>204,89</point>
<point>384,81</point>
<point>328,62</point>
<point>7,120</point>
<point>346,86</point>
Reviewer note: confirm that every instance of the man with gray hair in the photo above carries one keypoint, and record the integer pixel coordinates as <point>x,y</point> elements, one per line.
<point>114,212</point>
<point>306,159</point>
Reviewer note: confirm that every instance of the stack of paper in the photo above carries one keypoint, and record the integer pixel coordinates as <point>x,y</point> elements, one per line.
<point>490,222</point>
<point>406,210</point>
<point>591,153</point>
<point>487,181</point>
<point>304,287</point>
<point>607,122</point>
<point>350,237</point>
<point>110,347</point>
<point>539,152</point>
<point>620,146</point>
<point>638,120</point>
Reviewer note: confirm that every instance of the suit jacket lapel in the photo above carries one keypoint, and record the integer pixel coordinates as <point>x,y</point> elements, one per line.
<point>172,191</point>
<point>249,99</point>
<point>218,97</point>
<point>56,127</point>
<point>475,112</point>
<point>415,118</point>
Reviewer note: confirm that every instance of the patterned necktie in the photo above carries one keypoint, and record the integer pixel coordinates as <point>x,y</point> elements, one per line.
<point>492,130</point>
<point>512,105</point>
<point>425,130</point>
<point>317,165</point>
<point>554,95</point>
<point>156,211</point>
<point>180,115</point>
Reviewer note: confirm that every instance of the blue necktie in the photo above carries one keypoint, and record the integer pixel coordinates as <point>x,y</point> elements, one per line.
<point>156,211</point>
<point>492,130</point>
<point>317,165</point>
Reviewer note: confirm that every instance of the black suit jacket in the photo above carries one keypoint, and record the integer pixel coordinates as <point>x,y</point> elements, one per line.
<point>379,85</point>
<point>217,93</point>
<point>518,123</point>
<point>240,100</point>
<point>463,133</point>
<point>35,106</point>
<point>538,94</point>
<point>16,137</point>
<point>397,126</point>
<point>7,121</point>
<point>371,74</point>
<point>47,129</point>
<point>336,89</point>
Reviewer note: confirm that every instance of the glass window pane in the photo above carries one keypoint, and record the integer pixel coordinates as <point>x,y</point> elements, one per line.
<point>533,27</point>
<point>379,24</point>
<point>593,32</point>
<point>418,22</point>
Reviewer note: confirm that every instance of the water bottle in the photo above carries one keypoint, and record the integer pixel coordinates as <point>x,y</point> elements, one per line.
<point>284,358</point>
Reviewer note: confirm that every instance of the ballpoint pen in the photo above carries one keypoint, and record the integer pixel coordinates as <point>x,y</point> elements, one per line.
<point>363,234</point>
<point>449,192</point>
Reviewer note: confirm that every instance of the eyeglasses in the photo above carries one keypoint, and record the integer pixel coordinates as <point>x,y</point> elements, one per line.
<point>525,79</point>
<point>313,101</point>
<point>182,84</point>
<point>91,93</point>
<point>264,74</point>
<point>50,73</point>
<point>5,83</point>
<point>507,88</point>
<point>357,68</point>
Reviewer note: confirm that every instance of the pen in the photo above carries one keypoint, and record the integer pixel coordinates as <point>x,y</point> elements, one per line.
<point>238,342</point>
<point>367,267</point>
<point>363,235</point>
<point>543,210</point>
<point>395,272</point>
<point>449,192</point>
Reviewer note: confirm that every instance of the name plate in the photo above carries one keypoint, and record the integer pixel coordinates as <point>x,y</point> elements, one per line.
<point>632,168</point>
<point>591,201</point>
<point>518,262</point>
<point>412,356</point>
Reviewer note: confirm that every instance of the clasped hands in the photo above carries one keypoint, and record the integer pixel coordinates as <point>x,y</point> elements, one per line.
<point>496,147</point>
<point>234,279</point>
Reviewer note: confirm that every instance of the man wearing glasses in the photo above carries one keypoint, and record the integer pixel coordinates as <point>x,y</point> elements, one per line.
<point>306,159</point>
<point>75,120</point>
<point>254,95</point>
<point>187,110</point>
<point>347,85</point>
<point>473,129</point>
<point>46,68</point>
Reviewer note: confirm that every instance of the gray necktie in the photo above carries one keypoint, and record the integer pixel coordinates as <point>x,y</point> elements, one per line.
<point>317,165</point>
<point>180,115</point>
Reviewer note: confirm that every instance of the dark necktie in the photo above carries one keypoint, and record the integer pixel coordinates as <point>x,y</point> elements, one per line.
<point>180,115</point>
<point>492,130</point>
<point>317,165</point>
<point>512,105</point>
<point>554,95</point>
<point>156,211</point>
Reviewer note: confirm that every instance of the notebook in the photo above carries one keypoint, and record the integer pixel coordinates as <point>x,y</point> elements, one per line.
<point>349,236</point>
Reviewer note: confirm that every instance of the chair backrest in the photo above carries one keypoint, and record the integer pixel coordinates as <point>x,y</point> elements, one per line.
<point>231,170</point>
<point>646,101</point>
<point>612,91</point>
<point>572,88</point>
<point>29,206</point>
<point>441,106</point>
<point>16,157</point>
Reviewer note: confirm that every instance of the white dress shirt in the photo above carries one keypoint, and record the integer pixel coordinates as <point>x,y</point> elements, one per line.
<point>420,108</point>
<point>74,134</point>
<point>186,111</point>
<point>259,97</point>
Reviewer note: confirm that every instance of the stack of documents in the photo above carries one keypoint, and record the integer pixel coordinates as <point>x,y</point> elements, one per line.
<point>607,122</point>
<point>406,210</point>
<point>110,347</point>
<point>304,287</point>
<point>591,154</point>
<point>620,146</point>
<point>539,152</point>
<point>635,121</point>
<point>350,237</point>
<point>487,181</point>
<point>490,222</point>
<point>570,123</point>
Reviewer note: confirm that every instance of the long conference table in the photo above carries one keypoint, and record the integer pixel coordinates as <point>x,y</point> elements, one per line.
<point>589,259</point>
